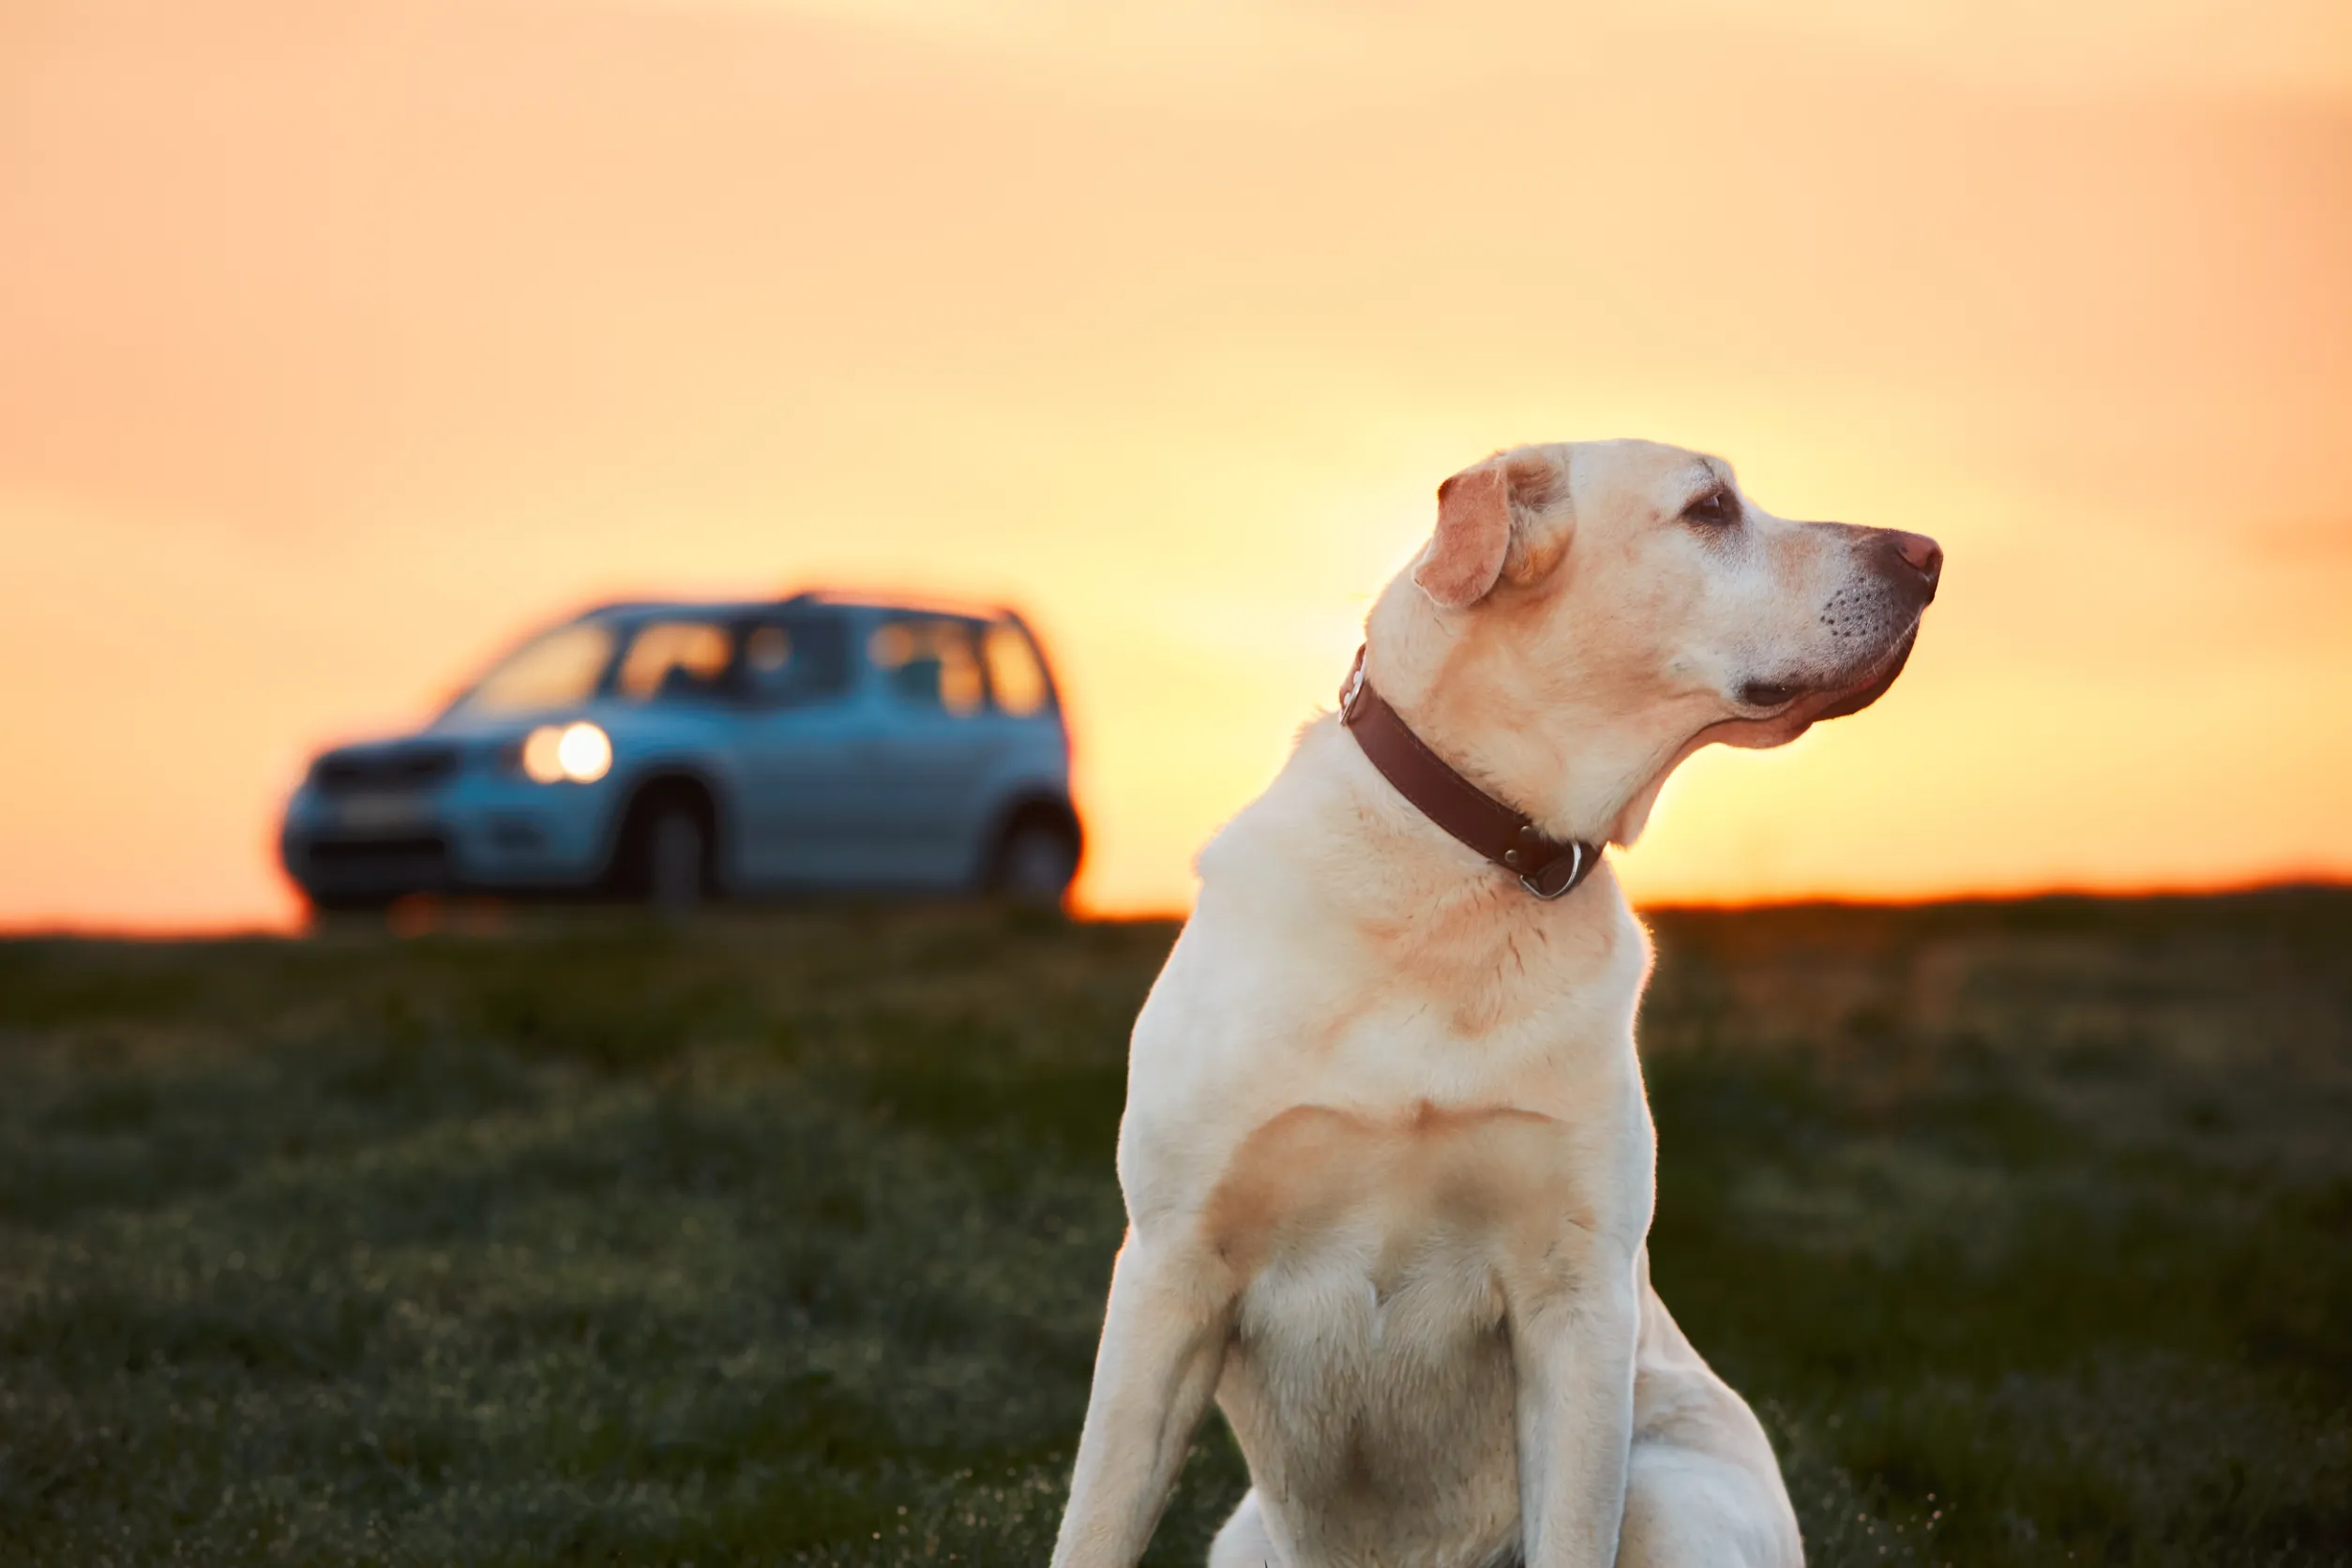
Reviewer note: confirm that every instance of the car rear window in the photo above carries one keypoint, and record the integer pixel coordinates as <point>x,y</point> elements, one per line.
<point>1017,677</point>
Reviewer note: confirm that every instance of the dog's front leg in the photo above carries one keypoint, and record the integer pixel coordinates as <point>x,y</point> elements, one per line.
<point>1572,1341</point>
<point>1162,1350</point>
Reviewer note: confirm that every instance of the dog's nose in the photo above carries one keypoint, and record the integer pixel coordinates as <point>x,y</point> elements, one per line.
<point>1918,553</point>
<point>1921,553</point>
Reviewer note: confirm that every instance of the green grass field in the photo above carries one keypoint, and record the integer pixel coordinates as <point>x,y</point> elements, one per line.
<point>2028,1229</point>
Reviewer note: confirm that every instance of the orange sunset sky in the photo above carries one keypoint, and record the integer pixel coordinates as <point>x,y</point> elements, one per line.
<point>342,340</point>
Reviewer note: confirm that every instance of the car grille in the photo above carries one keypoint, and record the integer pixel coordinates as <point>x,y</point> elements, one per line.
<point>409,767</point>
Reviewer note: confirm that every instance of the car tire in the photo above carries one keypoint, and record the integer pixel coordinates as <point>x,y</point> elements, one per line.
<point>677,861</point>
<point>668,852</point>
<point>1035,863</point>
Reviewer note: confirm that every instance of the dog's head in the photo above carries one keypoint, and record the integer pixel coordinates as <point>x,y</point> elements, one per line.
<point>1587,615</point>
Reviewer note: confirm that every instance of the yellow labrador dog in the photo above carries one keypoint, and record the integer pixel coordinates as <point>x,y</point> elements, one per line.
<point>1386,1156</point>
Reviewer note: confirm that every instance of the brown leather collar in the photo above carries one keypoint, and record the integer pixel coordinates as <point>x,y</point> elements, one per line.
<point>1545,866</point>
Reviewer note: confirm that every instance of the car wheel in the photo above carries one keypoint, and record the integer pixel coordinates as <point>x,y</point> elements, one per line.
<point>676,860</point>
<point>1037,862</point>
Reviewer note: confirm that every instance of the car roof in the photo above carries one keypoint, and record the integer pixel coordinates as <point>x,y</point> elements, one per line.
<point>636,609</point>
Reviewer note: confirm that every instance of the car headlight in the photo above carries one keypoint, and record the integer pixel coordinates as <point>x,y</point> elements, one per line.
<point>581,752</point>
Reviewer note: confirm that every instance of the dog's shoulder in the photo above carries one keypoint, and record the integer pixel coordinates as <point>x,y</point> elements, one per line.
<point>1293,997</point>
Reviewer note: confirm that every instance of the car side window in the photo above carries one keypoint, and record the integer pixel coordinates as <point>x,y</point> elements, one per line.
<point>791,661</point>
<point>930,662</point>
<point>674,660</point>
<point>1018,683</point>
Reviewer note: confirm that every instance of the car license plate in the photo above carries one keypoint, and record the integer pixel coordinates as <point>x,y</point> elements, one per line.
<point>375,813</point>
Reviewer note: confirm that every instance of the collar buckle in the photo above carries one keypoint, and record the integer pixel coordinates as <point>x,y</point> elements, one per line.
<point>1351,694</point>
<point>1547,886</point>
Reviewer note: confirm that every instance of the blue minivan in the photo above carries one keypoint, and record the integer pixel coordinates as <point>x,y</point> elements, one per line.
<point>674,752</point>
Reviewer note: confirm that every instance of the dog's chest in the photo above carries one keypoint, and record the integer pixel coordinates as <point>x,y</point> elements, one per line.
<point>1371,1377</point>
<point>1372,1250</point>
<point>1316,1188</point>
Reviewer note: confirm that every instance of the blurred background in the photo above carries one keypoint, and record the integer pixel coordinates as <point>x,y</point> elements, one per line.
<point>341,343</point>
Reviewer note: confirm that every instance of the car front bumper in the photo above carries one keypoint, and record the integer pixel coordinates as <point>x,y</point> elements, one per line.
<point>472,835</point>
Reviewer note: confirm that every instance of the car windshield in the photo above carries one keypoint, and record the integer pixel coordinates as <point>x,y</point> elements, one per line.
<point>774,660</point>
<point>554,670</point>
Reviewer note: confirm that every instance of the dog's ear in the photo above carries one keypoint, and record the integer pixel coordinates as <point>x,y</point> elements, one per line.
<point>1491,524</point>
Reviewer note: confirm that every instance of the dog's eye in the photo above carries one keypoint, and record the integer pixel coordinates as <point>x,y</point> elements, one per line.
<point>1716,509</point>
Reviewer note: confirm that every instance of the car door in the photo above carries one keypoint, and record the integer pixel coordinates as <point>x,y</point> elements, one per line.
<point>807,754</point>
<point>939,743</point>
